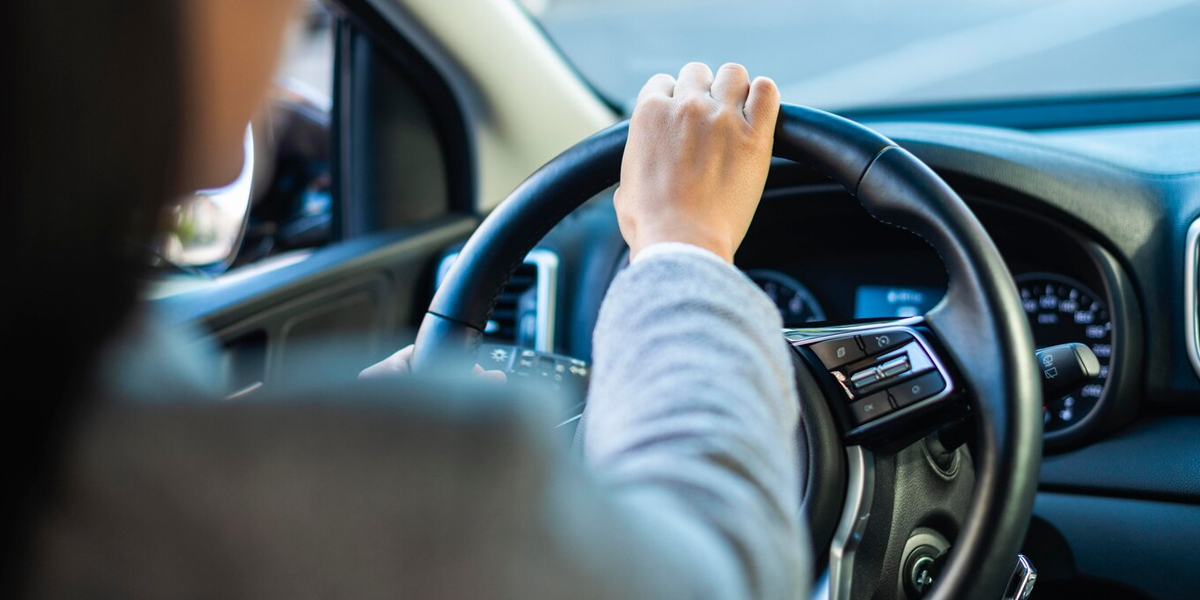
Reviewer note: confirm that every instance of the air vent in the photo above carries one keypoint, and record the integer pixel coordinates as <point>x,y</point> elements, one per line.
<point>1191,279</point>
<point>524,314</point>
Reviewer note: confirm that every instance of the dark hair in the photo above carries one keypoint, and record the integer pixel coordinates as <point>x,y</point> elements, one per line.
<point>92,155</point>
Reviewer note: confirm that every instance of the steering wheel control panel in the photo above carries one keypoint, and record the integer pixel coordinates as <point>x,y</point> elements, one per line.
<point>880,373</point>
<point>561,374</point>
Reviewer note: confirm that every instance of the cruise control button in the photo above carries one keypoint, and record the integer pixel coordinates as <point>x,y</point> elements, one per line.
<point>894,367</point>
<point>877,343</point>
<point>835,353</point>
<point>918,389</point>
<point>870,408</point>
<point>865,378</point>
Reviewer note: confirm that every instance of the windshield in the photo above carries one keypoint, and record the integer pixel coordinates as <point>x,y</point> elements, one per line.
<point>843,54</point>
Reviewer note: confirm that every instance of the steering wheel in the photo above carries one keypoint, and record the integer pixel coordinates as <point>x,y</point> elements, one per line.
<point>871,394</point>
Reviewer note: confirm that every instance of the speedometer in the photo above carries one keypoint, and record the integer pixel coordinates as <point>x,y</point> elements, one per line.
<point>796,304</point>
<point>1062,310</point>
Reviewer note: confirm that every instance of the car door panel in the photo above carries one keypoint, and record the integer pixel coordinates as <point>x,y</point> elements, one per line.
<point>356,300</point>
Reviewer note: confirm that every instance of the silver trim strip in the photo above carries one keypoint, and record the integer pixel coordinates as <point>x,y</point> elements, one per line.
<point>569,421</point>
<point>812,335</point>
<point>1190,265</point>
<point>547,297</point>
<point>546,262</point>
<point>246,391</point>
<point>860,491</point>
<point>1024,576</point>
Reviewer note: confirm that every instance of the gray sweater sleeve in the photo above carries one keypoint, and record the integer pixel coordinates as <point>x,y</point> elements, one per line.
<point>692,411</point>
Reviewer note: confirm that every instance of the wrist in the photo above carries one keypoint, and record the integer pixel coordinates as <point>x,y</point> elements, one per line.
<point>700,238</point>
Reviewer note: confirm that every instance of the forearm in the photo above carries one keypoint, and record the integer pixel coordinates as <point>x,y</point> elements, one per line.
<point>693,402</point>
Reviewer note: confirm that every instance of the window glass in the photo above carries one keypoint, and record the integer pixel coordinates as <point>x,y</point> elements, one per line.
<point>839,54</point>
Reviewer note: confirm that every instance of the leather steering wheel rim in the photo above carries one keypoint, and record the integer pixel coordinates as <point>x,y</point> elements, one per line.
<point>980,320</point>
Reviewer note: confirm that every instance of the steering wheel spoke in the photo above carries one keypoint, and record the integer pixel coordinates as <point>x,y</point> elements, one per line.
<point>886,382</point>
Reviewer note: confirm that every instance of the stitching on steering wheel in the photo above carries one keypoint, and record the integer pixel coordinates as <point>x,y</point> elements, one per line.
<point>941,257</point>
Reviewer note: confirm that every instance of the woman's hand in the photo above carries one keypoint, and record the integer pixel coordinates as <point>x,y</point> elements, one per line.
<point>697,158</point>
<point>400,364</point>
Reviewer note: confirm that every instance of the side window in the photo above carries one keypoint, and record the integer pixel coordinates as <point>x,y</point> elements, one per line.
<point>403,155</point>
<point>283,200</point>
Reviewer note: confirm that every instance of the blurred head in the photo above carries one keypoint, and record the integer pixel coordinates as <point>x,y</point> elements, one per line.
<point>113,109</point>
<point>231,48</point>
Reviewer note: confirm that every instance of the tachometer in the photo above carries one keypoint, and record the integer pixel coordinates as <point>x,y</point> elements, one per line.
<point>796,304</point>
<point>1062,310</point>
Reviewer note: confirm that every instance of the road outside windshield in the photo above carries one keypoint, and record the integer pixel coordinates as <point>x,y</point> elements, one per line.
<point>870,53</point>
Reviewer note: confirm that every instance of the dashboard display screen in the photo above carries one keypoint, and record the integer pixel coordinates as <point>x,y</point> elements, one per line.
<point>880,301</point>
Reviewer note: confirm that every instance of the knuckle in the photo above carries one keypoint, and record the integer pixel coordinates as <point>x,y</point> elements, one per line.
<point>660,78</point>
<point>697,67</point>
<point>650,110</point>
<point>693,108</point>
<point>733,68</point>
<point>766,86</point>
<point>653,103</point>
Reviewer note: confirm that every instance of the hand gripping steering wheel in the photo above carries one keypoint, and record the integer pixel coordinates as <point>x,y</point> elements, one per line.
<point>902,513</point>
